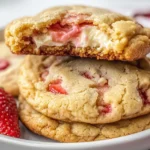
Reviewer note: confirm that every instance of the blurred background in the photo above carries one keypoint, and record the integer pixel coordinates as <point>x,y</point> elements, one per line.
<point>11,9</point>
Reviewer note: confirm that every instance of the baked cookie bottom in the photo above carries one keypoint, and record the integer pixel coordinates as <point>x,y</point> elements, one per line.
<point>132,53</point>
<point>78,132</point>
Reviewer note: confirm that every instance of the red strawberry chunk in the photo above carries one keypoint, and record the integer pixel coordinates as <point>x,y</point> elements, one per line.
<point>58,81</point>
<point>102,106</point>
<point>9,124</point>
<point>56,88</point>
<point>144,97</point>
<point>4,64</point>
<point>87,75</point>
<point>64,33</point>
<point>106,109</point>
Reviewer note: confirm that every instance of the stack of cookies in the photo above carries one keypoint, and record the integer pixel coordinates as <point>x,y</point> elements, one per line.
<point>89,81</point>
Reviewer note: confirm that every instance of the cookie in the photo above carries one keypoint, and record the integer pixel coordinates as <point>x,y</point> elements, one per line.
<point>9,65</point>
<point>84,90</point>
<point>78,132</point>
<point>80,31</point>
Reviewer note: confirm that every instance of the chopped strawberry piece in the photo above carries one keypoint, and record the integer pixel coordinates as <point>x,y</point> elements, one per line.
<point>144,97</point>
<point>64,33</point>
<point>4,64</point>
<point>106,109</point>
<point>56,88</point>
<point>44,75</point>
<point>102,106</point>
<point>87,75</point>
<point>58,81</point>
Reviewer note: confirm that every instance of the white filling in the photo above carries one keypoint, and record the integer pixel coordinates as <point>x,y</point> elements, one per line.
<point>46,40</point>
<point>90,36</point>
<point>93,37</point>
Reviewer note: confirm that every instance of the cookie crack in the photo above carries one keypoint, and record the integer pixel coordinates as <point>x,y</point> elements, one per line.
<point>122,101</point>
<point>138,80</point>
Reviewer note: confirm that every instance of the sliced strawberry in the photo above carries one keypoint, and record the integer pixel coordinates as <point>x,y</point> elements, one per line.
<point>56,88</point>
<point>4,64</point>
<point>144,97</point>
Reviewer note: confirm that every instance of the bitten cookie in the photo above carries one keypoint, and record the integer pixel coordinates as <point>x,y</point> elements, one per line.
<point>84,90</point>
<point>78,132</point>
<point>80,31</point>
<point>9,65</point>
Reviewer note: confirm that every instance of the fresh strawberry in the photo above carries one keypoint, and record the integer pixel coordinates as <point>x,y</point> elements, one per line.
<point>9,124</point>
<point>56,88</point>
<point>4,64</point>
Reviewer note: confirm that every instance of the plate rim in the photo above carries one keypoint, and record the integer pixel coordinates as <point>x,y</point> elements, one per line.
<point>95,144</point>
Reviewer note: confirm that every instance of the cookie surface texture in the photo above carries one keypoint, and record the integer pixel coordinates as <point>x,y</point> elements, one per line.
<point>84,90</point>
<point>78,132</point>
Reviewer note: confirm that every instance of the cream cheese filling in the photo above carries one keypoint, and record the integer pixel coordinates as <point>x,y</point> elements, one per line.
<point>89,36</point>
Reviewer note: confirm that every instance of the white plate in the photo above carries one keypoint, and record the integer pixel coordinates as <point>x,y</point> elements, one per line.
<point>30,141</point>
<point>138,141</point>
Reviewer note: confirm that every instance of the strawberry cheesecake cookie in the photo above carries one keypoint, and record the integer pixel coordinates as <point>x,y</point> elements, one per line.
<point>84,90</point>
<point>79,132</point>
<point>9,65</point>
<point>79,31</point>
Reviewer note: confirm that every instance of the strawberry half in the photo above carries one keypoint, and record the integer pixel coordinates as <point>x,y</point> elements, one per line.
<point>9,122</point>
